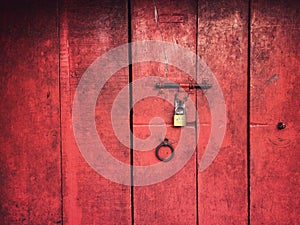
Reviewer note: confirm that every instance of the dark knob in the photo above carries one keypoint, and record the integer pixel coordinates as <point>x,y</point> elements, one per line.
<point>281,126</point>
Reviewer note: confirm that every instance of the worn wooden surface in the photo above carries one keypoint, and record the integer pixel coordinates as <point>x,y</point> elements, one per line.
<point>29,108</point>
<point>46,46</point>
<point>172,201</point>
<point>89,29</point>
<point>222,44</point>
<point>275,94</point>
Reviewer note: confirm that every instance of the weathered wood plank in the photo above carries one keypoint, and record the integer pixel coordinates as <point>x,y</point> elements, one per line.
<point>30,115</point>
<point>88,30</point>
<point>172,201</point>
<point>222,44</point>
<point>275,93</point>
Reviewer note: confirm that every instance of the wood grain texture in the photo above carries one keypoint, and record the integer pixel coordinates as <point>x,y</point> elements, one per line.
<point>29,109</point>
<point>222,44</point>
<point>275,94</point>
<point>88,30</point>
<point>172,201</point>
<point>46,46</point>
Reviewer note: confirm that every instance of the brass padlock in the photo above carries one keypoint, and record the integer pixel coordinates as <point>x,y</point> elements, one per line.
<point>179,113</point>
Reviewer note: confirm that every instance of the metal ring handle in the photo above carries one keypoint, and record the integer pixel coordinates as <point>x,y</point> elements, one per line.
<point>165,143</point>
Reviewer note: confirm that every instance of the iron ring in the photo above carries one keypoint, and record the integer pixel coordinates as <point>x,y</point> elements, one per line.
<point>165,143</point>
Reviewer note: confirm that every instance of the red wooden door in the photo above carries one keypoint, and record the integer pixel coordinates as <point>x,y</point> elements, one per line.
<point>56,55</point>
<point>215,195</point>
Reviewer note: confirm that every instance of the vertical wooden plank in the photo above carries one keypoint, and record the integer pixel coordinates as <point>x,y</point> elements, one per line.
<point>275,93</point>
<point>29,109</point>
<point>222,44</point>
<point>173,200</point>
<point>88,30</point>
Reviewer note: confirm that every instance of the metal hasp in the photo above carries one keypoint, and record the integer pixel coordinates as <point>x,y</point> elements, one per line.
<point>202,86</point>
<point>179,111</point>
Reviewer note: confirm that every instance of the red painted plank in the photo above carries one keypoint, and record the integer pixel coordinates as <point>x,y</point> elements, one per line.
<point>222,44</point>
<point>173,200</point>
<point>275,97</point>
<point>29,109</point>
<point>88,30</point>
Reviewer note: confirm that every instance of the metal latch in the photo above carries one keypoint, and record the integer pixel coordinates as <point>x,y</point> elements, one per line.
<point>202,86</point>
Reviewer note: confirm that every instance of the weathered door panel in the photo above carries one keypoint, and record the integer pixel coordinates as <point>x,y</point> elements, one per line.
<point>29,108</point>
<point>275,93</point>
<point>222,44</point>
<point>89,29</point>
<point>173,200</point>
